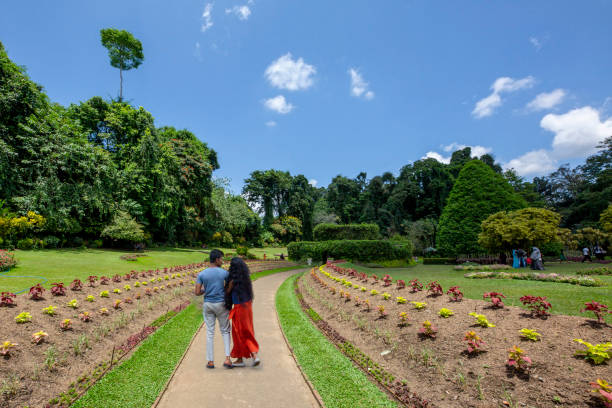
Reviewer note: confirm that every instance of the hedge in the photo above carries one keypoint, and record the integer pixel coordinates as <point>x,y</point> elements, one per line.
<point>439,261</point>
<point>330,232</point>
<point>361,250</point>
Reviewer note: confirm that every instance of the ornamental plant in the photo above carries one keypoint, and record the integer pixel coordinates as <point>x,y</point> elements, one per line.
<point>6,347</point>
<point>403,319</point>
<point>103,311</point>
<point>76,285</point>
<point>49,310</point>
<point>604,391</point>
<point>474,342</point>
<point>104,280</point>
<point>23,317</point>
<point>401,300</point>
<point>529,334</point>
<point>66,324</point>
<point>85,316</point>
<point>332,290</point>
<point>136,284</point>
<point>36,292</point>
<point>148,292</point>
<point>387,280</point>
<point>386,296</point>
<point>481,320</point>
<point>117,291</point>
<point>381,311</point>
<point>39,337</point>
<point>455,294</point>
<point>419,305</point>
<point>357,301</point>
<point>366,303</point>
<point>444,312</point>
<point>434,289</point>
<point>375,278</point>
<point>347,296</point>
<point>415,286</point>
<point>104,294</point>
<point>137,295</point>
<point>401,284</point>
<point>518,360</point>
<point>373,292</point>
<point>90,298</point>
<point>127,287</point>
<point>58,289</point>
<point>537,305</point>
<point>7,299</point>
<point>117,304</point>
<point>598,353</point>
<point>428,329</point>
<point>116,278</point>
<point>599,309</point>
<point>73,304</point>
<point>92,280</point>
<point>495,297</point>
<point>363,289</point>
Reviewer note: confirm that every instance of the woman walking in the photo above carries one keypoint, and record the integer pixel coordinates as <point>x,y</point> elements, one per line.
<point>240,288</point>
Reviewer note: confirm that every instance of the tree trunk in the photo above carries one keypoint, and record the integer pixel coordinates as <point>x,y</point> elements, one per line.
<point>120,85</point>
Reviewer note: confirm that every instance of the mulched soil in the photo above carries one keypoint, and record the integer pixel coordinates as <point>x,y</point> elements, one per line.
<point>35,383</point>
<point>439,369</point>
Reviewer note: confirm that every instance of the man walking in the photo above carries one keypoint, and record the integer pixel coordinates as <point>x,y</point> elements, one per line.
<point>586,254</point>
<point>211,283</point>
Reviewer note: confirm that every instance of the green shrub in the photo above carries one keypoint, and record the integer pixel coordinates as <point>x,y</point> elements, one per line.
<point>26,243</point>
<point>96,243</point>
<point>331,232</point>
<point>52,241</point>
<point>439,261</point>
<point>361,250</point>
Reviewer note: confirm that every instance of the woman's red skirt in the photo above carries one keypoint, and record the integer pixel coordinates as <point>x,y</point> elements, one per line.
<point>243,334</point>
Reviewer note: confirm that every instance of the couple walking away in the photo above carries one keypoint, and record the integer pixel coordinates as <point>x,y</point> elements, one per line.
<point>228,295</point>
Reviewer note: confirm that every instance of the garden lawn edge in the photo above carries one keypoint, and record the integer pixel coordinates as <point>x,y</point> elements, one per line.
<point>268,272</point>
<point>138,381</point>
<point>336,379</point>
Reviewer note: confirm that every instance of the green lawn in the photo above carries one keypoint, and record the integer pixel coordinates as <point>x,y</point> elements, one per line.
<point>565,298</point>
<point>258,252</point>
<point>339,383</point>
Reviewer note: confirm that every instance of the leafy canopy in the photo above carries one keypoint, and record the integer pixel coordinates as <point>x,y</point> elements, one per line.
<point>124,50</point>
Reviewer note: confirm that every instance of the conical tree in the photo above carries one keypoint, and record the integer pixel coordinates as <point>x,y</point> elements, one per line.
<point>477,193</point>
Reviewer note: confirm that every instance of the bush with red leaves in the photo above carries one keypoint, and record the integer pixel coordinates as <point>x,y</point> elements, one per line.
<point>104,280</point>
<point>92,280</point>
<point>599,309</point>
<point>495,297</point>
<point>537,305</point>
<point>58,289</point>
<point>116,278</point>
<point>455,294</point>
<point>6,299</point>
<point>36,292</point>
<point>76,285</point>
<point>401,284</point>
<point>416,285</point>
<point>434,289</point>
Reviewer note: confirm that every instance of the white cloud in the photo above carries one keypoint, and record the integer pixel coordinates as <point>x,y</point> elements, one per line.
<point>270,123</point>
<point>536,42</point>
<point>547,100</point>
<point>486,106</point>
<point>313,182</point>
<point>197,51</point>
<point>577,134</point>
<point>279,104</point>
<point>290,74</point>
<point>206,17</point>
<point>477,151</point>
<point>359,87</point>
<point>242,12</point>
<point>437,156</point>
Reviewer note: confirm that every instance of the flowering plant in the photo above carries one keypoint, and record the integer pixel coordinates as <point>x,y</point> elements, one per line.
<point>23,317</point>
<point>39,337</point>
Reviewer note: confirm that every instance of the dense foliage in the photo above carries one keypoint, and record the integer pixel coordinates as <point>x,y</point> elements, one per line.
<point>328,232</point>
<point>359,250</point>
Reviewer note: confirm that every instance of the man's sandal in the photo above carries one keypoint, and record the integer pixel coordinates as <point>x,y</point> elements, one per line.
<point>210,365</point>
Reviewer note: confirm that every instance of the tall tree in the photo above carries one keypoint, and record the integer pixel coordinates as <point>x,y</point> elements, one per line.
<point>301,203</point>
<point>268,190</point>
<point>344,197</point>
<point>124,51</point>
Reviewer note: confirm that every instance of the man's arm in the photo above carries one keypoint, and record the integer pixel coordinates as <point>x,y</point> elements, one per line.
<point>199,289</point>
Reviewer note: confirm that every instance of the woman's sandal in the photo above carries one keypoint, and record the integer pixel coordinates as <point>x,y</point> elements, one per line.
<point>228,365</point>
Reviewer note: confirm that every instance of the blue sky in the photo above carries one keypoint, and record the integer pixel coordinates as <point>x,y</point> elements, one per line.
<point>325,88</point>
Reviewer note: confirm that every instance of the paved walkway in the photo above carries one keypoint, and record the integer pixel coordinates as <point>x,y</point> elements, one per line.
<point>277,382</point>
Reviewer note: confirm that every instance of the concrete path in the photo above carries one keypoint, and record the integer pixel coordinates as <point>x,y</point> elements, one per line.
<point>277,382</point>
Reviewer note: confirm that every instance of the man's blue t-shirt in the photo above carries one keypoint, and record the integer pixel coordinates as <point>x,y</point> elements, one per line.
<point>213,280</point>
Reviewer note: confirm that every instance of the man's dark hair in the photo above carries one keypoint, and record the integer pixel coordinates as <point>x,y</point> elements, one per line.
<point>215,254</point>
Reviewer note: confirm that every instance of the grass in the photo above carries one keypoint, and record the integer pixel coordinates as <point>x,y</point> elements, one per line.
<point>64,265</point>
<point>337,380</point>
<point>565,298</point>
<point>138,381</point>
<point>261,274</point>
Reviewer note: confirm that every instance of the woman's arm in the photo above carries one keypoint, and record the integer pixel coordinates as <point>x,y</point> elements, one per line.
<point>229,287</point>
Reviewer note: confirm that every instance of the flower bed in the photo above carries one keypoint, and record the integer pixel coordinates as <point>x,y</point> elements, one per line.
<point>7,260</point>
<point>494,267</point>
<point>544,277</point>
<point>604,270</point>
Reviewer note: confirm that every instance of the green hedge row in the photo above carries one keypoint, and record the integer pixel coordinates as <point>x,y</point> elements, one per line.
<point>330,232</point>
<point>361,250</point>
<point>439,261</point>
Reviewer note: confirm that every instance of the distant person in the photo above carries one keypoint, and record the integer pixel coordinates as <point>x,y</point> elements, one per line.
<point>211,283</point>
<point>240,288</point>
<point>599,252</point>
<point>522,258</point>
<point>282,257</point>
<point>586,254</point>
<point>536,259</point>
<point>516,262</point>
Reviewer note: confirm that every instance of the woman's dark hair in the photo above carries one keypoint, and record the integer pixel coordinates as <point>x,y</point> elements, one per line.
<point>241,276</point>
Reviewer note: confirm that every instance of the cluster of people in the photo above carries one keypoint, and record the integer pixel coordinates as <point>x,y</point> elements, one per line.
<point>521,260</point>
<point>228,296</point>
<point>598,251</point>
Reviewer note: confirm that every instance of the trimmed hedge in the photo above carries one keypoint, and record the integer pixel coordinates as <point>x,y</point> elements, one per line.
<point>331,232</point>
<point>439,261</point>
<point>361,250</point>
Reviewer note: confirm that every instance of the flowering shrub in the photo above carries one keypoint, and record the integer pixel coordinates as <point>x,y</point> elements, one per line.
<point>401,300</point>
<point>85,316</point>
<point>495,297</point>
<point>474,342</point>
<point>6,299</point>
<point>6,347</point>
<point>90,298</point>
<point>599,309</point>
<point>58,289</point>
<point>381,311</point>
<point>428,329</point>
<point>603,270</point>
<point>76,285</point>
<point>434,289</point>
<point>7,260</point>
<point>604,391</point>
<point>49,310</point>
<point>416,285</point>
<point>386,296</point>
<point>598,353</point>
<point>73,304</point>
<point>104,294</point>
<point>544,277</point>
<point>117,304</point>
<point>66,324</point>
<point>36,292</point>
<point>536,304</point>
<point>92,280</point>
<point>403,319</point>
<point>518,360</point>
<point>401,284</point>
<point>529,334</point>
<point>103,311</point>
<point>455,294</point>
<point>419,305</point>
<point>39,337</point>
<point>23,317</point>
<point>481,320</point>
<point>104,280</point>
<point>444,312</point>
